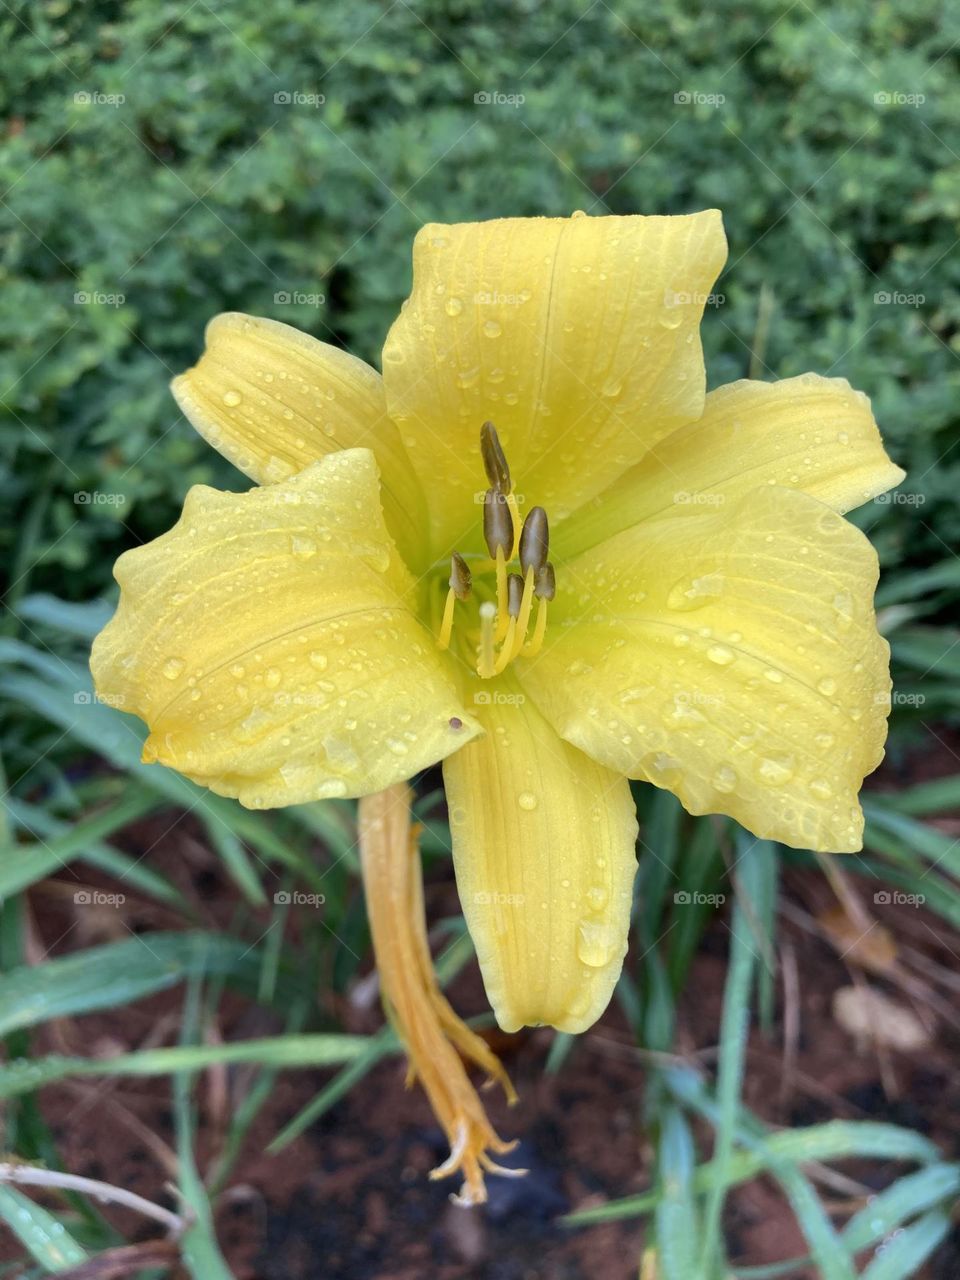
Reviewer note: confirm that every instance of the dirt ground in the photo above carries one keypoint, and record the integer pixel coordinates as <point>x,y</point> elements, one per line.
<point>351,1198</point>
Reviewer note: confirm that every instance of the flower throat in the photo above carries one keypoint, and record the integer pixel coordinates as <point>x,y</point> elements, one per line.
<point>503,626</point>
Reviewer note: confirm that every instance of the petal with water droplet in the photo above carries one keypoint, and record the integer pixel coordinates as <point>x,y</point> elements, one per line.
<point>751,433</point>
<point>544,848</point>
<point>775,707</point>
<point>273,400</point>
<point>569,302</point>
<point>256,651</point>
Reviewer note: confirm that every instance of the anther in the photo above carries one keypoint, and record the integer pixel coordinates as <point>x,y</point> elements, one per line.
<point>514,594</point>
<point>545,586</point>
<point>494,460</point>
<point>534,541</point>
<point>460,582</point>
<point>460,577</point>
<point>497,524</point>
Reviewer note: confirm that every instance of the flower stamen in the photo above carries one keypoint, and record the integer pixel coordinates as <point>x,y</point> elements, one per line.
<point>459,589</point>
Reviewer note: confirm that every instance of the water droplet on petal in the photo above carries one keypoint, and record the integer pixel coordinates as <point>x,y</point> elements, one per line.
<point>527,801</point>
<point>597,943</point>
<point>232,398</point>
<point>720,655</point>
<point>725,779</point>
<point>173,667</point>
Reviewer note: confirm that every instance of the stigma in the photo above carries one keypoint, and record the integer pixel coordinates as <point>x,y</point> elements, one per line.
<point>505,631</point>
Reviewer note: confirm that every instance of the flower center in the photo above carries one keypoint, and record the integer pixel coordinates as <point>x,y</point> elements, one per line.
<point>503,616</point>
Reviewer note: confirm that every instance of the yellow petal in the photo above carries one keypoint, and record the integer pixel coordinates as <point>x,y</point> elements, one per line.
<point>544,848</point>
<point>730,657</point>
<point>273,400</point>
<point>810,433</point>
<point>268,642</point>
<point>578,337</point>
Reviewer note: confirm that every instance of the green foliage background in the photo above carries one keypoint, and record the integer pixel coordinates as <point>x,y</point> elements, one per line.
<point>201,191</point>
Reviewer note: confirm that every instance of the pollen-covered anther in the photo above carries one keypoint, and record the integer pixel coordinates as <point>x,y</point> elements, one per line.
<point>494,459</point>
<point>460,583</point>
<point>544,588</point>
<point>498,474</point>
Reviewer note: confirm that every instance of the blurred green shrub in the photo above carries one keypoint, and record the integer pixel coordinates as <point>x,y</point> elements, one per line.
<point>178,158</point>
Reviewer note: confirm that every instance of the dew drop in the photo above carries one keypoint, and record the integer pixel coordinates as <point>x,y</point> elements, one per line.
<point>173,667</point>
<point>720,655</point>
<point>453,306</point>
<point>491,329</point>
<point>827,687</point>
<point>725,779</point>
<point>775,770</point>
<point>527,801</point>
<point>303,548</point>
<point>596,943</point>
<point>232,398</point>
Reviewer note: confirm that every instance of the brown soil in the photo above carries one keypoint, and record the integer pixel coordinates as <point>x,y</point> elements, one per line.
<point>351,1197</point>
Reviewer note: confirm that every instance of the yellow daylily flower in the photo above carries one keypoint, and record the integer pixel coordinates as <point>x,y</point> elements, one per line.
<point>537,551</point>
